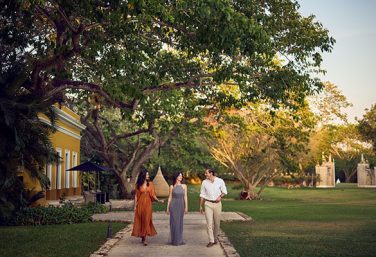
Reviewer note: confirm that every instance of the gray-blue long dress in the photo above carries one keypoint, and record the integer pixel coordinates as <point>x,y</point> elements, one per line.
<point>177,215</point>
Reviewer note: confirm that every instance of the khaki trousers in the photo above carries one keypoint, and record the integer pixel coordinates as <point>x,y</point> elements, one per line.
<point>213,219</point>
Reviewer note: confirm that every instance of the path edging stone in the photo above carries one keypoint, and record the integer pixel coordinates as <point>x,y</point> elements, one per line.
<point>245,216</point>
<point>226,245</point>
<point>111,242</point>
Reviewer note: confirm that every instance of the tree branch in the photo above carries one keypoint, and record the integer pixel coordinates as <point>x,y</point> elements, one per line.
<point>113,132</point>
<point>61,85</point>
<point>101,136</point>
<point>126,166</point>
<point>191,34</point>
<point>173,86</point>
<point>127,135</point>
<point>45,13</point>
<point>67,21</point>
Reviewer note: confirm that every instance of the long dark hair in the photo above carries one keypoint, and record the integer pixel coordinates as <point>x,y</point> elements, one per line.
<point>141,178</point>
<point>175,177</point>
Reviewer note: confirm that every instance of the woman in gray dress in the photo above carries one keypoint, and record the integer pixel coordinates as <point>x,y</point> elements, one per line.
<point>177,206</point>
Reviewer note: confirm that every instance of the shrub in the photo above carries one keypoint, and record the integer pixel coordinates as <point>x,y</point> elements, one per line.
<point>65,214</point>
<point>92,208</point>
<point>293,180</point>
<point>278,181</point>
<point>50,215</point>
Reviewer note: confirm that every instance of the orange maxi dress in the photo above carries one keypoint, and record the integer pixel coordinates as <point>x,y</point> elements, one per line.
<point>143,224</point>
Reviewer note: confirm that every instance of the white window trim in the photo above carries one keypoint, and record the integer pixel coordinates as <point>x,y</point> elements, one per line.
<point>61,129</point>
<point>74,164</point>
<point>67,167</point>
<point>58,169</point>
<point>69,119</point>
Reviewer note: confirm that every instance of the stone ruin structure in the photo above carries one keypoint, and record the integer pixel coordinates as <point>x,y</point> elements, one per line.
<point>366,175</point>
<point>326,173</point>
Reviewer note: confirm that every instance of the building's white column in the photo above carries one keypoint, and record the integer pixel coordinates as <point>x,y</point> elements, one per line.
<point>58,170</point>
<point>49,174</point>
<point>74,164</point>
<point>66,168</point>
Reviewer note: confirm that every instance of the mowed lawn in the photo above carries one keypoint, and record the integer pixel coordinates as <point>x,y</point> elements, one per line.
<point>287,222</point>
<point>73,240</point>
<point>302,222</point>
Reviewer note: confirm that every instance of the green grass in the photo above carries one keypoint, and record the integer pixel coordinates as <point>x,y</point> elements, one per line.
<point>287,222</point>
<point>73,240</point>
<point>302,222</point>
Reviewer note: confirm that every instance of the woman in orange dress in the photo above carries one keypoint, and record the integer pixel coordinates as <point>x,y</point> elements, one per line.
<point>145,194</point>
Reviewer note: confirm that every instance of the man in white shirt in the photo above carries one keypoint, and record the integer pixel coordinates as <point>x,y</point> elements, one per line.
<point>212,191</point>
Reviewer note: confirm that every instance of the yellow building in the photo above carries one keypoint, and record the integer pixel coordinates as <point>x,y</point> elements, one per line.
<point>66,141</point>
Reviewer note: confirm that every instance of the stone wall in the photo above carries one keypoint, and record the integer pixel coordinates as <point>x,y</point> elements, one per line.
<point>326,173</point>
<point>366,175</point>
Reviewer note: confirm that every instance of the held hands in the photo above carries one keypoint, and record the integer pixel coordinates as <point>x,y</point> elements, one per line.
<point>159,201</point>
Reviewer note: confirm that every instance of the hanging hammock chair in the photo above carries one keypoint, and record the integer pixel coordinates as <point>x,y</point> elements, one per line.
<point>160,184</point>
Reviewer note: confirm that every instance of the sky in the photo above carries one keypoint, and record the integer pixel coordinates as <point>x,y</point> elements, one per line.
<point>351,65</point>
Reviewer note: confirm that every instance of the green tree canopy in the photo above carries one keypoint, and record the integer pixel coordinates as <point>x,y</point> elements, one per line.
<point>329,105</point>
<point>159,60</point>
<point>125,49</point>
<point>367,126</point>
<point>257,144</point>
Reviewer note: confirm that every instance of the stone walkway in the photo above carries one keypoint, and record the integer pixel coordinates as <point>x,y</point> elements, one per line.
<point>194,234</point>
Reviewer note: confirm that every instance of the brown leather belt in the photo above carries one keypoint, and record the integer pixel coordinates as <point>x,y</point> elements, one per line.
<point>212,201</point>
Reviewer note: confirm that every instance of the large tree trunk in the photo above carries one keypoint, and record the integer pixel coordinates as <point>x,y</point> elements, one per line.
<point>249,192</point>
<point>348,175</point>
<point>126,187</point>
<point>249,195</point>
<point>124,167</point>
<point>123,188</point>
<point>266,182</point>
